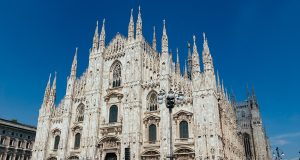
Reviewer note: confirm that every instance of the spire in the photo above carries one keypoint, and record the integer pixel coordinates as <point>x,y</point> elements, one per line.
<point>139,26</point>
<point>102,35</point>
<point>52,97</point>
<point>207,59</point>
<point>177,62</point>
<point>218,82</point>
<point>96,38</point>
<point>154,39</point>
<point>164,43</point>
<point>190,62</point>
<point>253,94</point>
<point>47,90</point>
<point>185,70</point>
<point>131,28</point>
<point>196,63</point>
<point>222,87</point>
<point>189,50</point>
<point>74,64</point>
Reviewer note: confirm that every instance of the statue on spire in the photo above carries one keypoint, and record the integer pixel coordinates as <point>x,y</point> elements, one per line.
<point>196,63</point>
<point>206,56</point>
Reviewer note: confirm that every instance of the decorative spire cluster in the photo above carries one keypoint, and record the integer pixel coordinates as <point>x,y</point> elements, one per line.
<point>206,56</point>
<point>196,62</point>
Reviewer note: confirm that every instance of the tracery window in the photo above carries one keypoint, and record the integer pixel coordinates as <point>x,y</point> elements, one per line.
<point>152,133</point>
<point>80,113</point>
<point>243,114</point>
<point>152,101</point>
<point>113,114</point>
<point>116,74</point>
<point>247,146</point>
<point>77,140</point>
<point>184,129</point>
<point>56,142</point>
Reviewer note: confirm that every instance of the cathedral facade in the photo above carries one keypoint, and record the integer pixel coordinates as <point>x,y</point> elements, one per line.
<point>112,112</point>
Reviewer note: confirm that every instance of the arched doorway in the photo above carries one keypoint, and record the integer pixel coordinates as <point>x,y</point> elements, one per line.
<point>111,156</point>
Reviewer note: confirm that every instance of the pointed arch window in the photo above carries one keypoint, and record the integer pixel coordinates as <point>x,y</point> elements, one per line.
<point>116,74</point>
<point>243,114</point>
<point>56,142</point>
<point>77,140</point>
<point>152,101</point>
<point>247,145</point>
<point>152,133</point>
<point>80,113</point>
<point>113,114</point>
<point>184,129</point>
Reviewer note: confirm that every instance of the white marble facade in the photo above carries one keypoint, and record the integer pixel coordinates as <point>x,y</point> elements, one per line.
<point>111,110</point>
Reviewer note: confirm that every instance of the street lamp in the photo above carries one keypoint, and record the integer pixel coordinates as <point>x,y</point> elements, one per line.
<point>171,99</point>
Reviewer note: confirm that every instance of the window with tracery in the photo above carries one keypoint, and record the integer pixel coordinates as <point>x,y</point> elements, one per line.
<point>247,145</point>
<point>80,113</point>
<point>113,114</point>
<point>243,114</point>
<point>56,142</point>
<point>184,129</point>
<point>116,75</point>
<point>152,101</point>
<point>77,140</point>
<point>152,133</point>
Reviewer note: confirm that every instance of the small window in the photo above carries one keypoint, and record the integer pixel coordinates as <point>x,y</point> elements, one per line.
<point>77,140</point>
<point>152,133</point>
<point>2,140</point>
<point>184,129</point>
<point>3,132</point>
<point>27,145</point>
<point>11,142</point>
<point>113,114</point>
<point>56,142</point>
<point>20,144</point>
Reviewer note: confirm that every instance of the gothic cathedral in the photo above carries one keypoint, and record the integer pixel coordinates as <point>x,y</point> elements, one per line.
<point>111,112</point>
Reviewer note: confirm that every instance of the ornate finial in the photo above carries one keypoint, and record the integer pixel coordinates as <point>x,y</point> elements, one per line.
<point>189,45</point>
<point>131,11</point>
<point>139,8</point>
<point>204,36</point>
<point>103,22</point>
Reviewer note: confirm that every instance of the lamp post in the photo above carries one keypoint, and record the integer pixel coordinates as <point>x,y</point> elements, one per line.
<point>278,154</point>
<point>171,99</point>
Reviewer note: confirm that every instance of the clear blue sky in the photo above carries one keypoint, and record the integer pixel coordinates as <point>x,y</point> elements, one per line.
<point>252,41</point>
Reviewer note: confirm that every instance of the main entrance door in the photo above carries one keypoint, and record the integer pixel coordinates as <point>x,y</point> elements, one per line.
<point>111,156</point>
